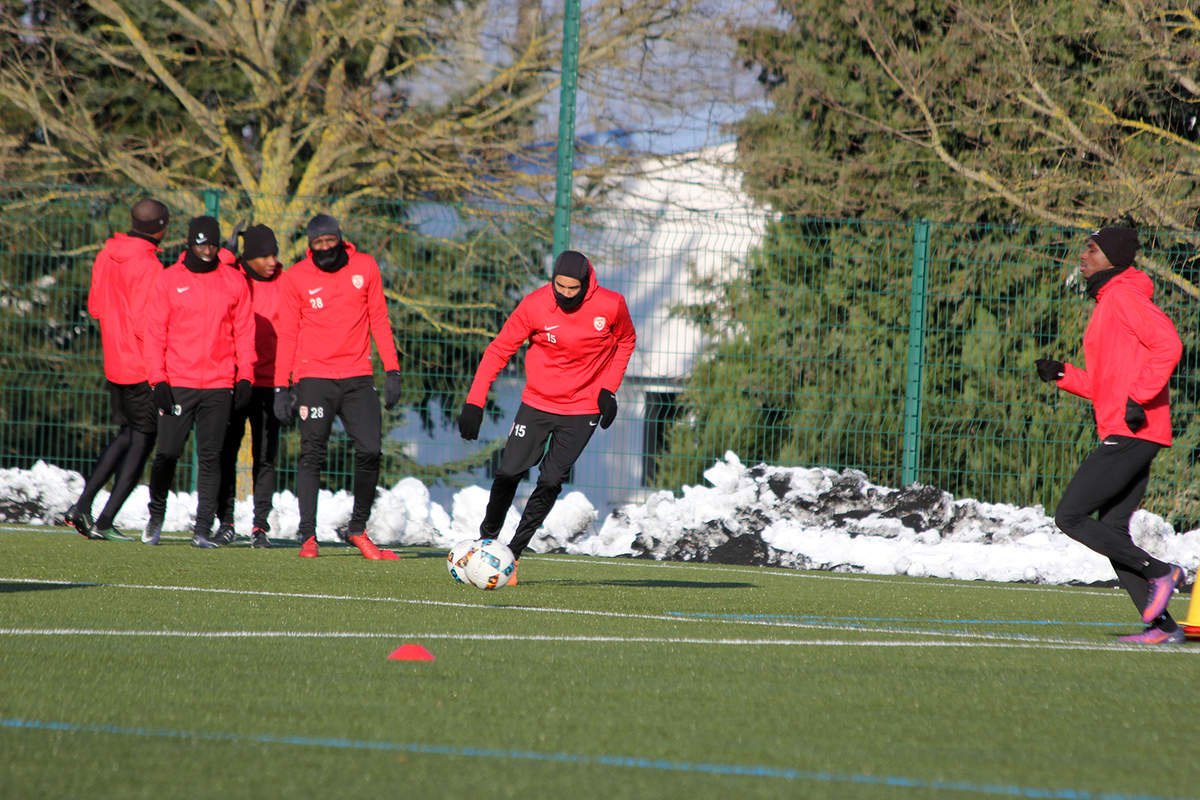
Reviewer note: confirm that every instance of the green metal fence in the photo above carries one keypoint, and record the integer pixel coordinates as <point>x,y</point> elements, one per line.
<point>904,349</point>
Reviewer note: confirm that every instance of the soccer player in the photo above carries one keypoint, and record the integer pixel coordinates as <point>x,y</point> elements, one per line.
<point>200,359</point>
<point>259,263</point>
<point>331,306</point>
<point>1131,348</point>
<point>122,275</point>
<point>580,340</point>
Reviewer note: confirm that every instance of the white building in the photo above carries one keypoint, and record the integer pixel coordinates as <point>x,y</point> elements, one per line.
<point>685,219</point>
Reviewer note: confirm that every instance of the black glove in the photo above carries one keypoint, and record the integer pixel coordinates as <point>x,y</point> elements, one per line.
<point>164,399</point>
<point>469,420</point>
<point>608,407</point>
<point>1050,370</point>
<point>1135,415</point>
<point>391,389</point>
<point>285,404</point>
<point>241,394</point>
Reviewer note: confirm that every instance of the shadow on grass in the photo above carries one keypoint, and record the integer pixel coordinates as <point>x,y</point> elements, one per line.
<point>650,584</point>
<point>7,586</point>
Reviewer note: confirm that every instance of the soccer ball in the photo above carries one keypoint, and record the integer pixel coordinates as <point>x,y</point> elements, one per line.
<point>456,560</point>
<point>490,565</point>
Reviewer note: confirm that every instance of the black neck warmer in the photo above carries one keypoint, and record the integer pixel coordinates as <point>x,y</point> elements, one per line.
<point>1098,279</point>
<point>194,264</point>
<point>139,235</point>
<point>255,276</point>
<point>333,259</point>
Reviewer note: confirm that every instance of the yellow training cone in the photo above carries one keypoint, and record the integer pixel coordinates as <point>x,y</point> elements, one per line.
<point>1191,623</point>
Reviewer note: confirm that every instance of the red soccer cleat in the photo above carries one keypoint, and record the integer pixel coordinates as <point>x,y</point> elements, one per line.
<point>309,548</point>
<point>512,579</point>
<point>370,550</point>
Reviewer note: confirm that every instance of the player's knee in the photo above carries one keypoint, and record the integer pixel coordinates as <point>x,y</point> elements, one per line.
<point>366,459</point>
<point>1068,519</point>
<point>549,484</point>
<point>505,476</point>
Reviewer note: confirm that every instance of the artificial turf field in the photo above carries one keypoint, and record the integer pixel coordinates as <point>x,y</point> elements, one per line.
<point>132,671</point>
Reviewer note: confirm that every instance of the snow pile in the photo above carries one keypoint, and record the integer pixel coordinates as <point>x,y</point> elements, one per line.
<point>805,518</point>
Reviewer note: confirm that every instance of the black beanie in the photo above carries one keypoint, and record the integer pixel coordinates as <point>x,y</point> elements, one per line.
<point>149,216</point>
<point>1119,244</point>
<point>573,264</point>
<point>203,230</point>
<point>323,225</point>
<point>258,241</point>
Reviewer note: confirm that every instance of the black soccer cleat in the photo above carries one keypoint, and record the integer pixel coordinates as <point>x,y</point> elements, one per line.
<point>224,534</point>
<point>81,521</point>
<point>258,538</point>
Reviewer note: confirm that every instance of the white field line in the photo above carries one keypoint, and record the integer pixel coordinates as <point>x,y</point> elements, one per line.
<point>509,637</point>
<point>823,626</point>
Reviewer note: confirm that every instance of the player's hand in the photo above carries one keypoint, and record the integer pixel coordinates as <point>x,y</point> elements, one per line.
<point>285,404</point>
<point>1135,415</point>
<point>241,394</point>
<point>607,401</point>
<point>391,389</point>
<point>164,399</point>
<point>1050,370</point>
<point>469,420</point>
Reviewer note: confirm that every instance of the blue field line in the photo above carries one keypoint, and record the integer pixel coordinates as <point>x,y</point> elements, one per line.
<point>632,762</point>
<point>823,618</point>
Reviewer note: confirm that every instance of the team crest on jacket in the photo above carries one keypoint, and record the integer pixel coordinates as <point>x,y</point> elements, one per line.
<point>598,323</point>
<point>303,412</point>
<point>357,280</point>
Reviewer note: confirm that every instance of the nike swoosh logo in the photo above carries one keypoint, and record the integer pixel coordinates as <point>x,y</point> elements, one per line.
<point>552,327</point>
<point>182,289</point>
<point>1110,443</point>
<point>592,424</point>
<point>314,291</point>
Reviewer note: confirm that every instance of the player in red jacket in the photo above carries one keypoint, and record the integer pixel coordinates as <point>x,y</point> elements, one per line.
<point>1130,348</point>
<point>331,306</point>
<point>200,359</point>
<point>259,263</point>
<point>122,275</point>
<point>580,341</point>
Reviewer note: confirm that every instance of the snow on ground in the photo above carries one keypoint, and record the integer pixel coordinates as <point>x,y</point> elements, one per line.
<point>806,518</point>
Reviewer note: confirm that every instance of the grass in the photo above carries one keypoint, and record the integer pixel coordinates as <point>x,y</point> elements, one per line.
<point>592,678</point>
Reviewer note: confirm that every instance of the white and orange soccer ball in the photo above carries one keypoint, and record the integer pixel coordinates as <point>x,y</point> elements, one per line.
<point>456,560</point>
<point>490,565</point>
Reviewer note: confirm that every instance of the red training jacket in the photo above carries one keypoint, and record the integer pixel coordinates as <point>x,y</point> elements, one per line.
<point>327,321</point>
<point>264,300</point>
<point>1130,348</point>
<point>571,357</point>
<point>122,274</point>
<point>200,327</point>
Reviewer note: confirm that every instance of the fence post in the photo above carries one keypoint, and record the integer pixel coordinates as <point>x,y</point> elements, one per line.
<point>212,203</point>
<point>565,166</point>
<point>916,354</point>
<point>212,207</point>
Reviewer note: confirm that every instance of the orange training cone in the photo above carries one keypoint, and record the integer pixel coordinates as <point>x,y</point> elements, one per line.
<point>410,652</point>
<point>1191,623</point>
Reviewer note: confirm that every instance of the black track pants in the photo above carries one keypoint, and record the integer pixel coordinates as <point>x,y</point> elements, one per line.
<point>208,409</point>
<point>264,451</point>
<point>125,456</point>
<point>1112,481</point>
<point>526,447</point>
<point>356,402</point>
